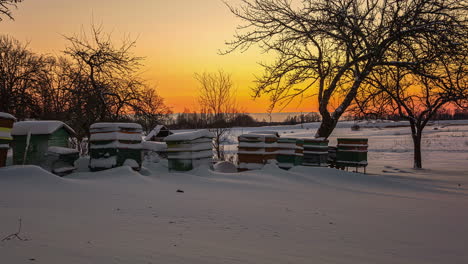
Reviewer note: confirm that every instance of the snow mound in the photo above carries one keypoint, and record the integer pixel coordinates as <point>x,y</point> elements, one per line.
<point>225,167</point>
<point>121,174</point>
<point>30,174</point>
<point>361,182</point>
<point>82,164</point>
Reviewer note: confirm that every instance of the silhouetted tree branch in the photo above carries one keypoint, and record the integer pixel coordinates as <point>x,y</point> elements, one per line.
<point>332,46</point>
<point>417,97</point>
<point>17,234</point>
<point>5,8</point>
<point>110,70</point>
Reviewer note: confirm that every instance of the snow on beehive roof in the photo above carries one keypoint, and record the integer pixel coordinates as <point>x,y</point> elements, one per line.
<point>258,135</point>
<point>116,126</point>
<point>6,116</point>
<point>154,146</point>
<point>39,127</point>
<point>265,133</point>
<point>192,135</point>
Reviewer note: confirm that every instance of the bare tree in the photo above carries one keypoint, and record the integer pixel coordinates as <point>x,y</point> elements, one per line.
<point>417,97</point>
<point>332,46</point>
<point>5,8</point>
<point>54,90</point>
<point>150,109</point>
<point>94,82</point>
<point>109,70</point>
<point>218,103</point>
<point>20,73</point>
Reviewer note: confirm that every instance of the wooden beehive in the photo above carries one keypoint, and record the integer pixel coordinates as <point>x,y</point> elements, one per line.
<point>115,144</point>
<point>189,150</point>
<point>351,152</point>
<point>32,140</point>
<point>255,150</point>
<point>61,161</point>
<point>316,152</point>
<point>290,152</point>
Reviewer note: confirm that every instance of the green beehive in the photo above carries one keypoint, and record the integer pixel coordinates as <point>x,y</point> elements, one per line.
<point>351,152</point>
<point>115,144</point>
<point>61,160</point>
<point>33,139</point>
<point>188,150</point>
<point>316,152</point>
<point>290,152</point>
<point>6,123</point>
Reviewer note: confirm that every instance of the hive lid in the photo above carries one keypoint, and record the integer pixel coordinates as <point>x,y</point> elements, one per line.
<point>274,133</point>
<point>352,139</point>
<point>188,136</point>
<point>116,126</point>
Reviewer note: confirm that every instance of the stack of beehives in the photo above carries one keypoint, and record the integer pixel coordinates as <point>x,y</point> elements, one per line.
<point>188,150</point>
<point>290,152</point>
<point>315,152</point>
<point>257,149</point>
<point>115,144</point>
<point>6,123</point>
<point>351,152</point>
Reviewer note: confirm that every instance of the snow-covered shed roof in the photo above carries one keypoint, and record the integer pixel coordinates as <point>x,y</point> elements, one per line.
<point>156,131</point>
<point>6,116</point>
<point>192,135</point>
<point>39,127</point>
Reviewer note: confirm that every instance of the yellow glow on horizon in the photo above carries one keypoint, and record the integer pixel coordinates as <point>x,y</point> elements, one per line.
<point>177,38</point>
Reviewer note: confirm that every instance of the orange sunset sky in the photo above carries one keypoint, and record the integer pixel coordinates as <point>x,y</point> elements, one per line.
<point>176,37</point>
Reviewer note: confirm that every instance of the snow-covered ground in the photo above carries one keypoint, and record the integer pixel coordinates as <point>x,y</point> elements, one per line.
<point>394,214</point>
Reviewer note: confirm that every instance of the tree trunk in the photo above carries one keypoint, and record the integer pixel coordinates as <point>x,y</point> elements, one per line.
<point>417,150</point>
<point>327,126</point>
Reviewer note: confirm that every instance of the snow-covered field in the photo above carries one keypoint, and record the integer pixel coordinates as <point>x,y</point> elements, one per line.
<point>394,214</point>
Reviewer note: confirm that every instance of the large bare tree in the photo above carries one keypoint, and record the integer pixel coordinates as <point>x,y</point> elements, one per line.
<point>218,104</point>
<point>332,46</point>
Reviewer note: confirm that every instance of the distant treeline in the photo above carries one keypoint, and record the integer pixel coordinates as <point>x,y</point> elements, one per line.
<point>441,114</point>
<point>200,120</point>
